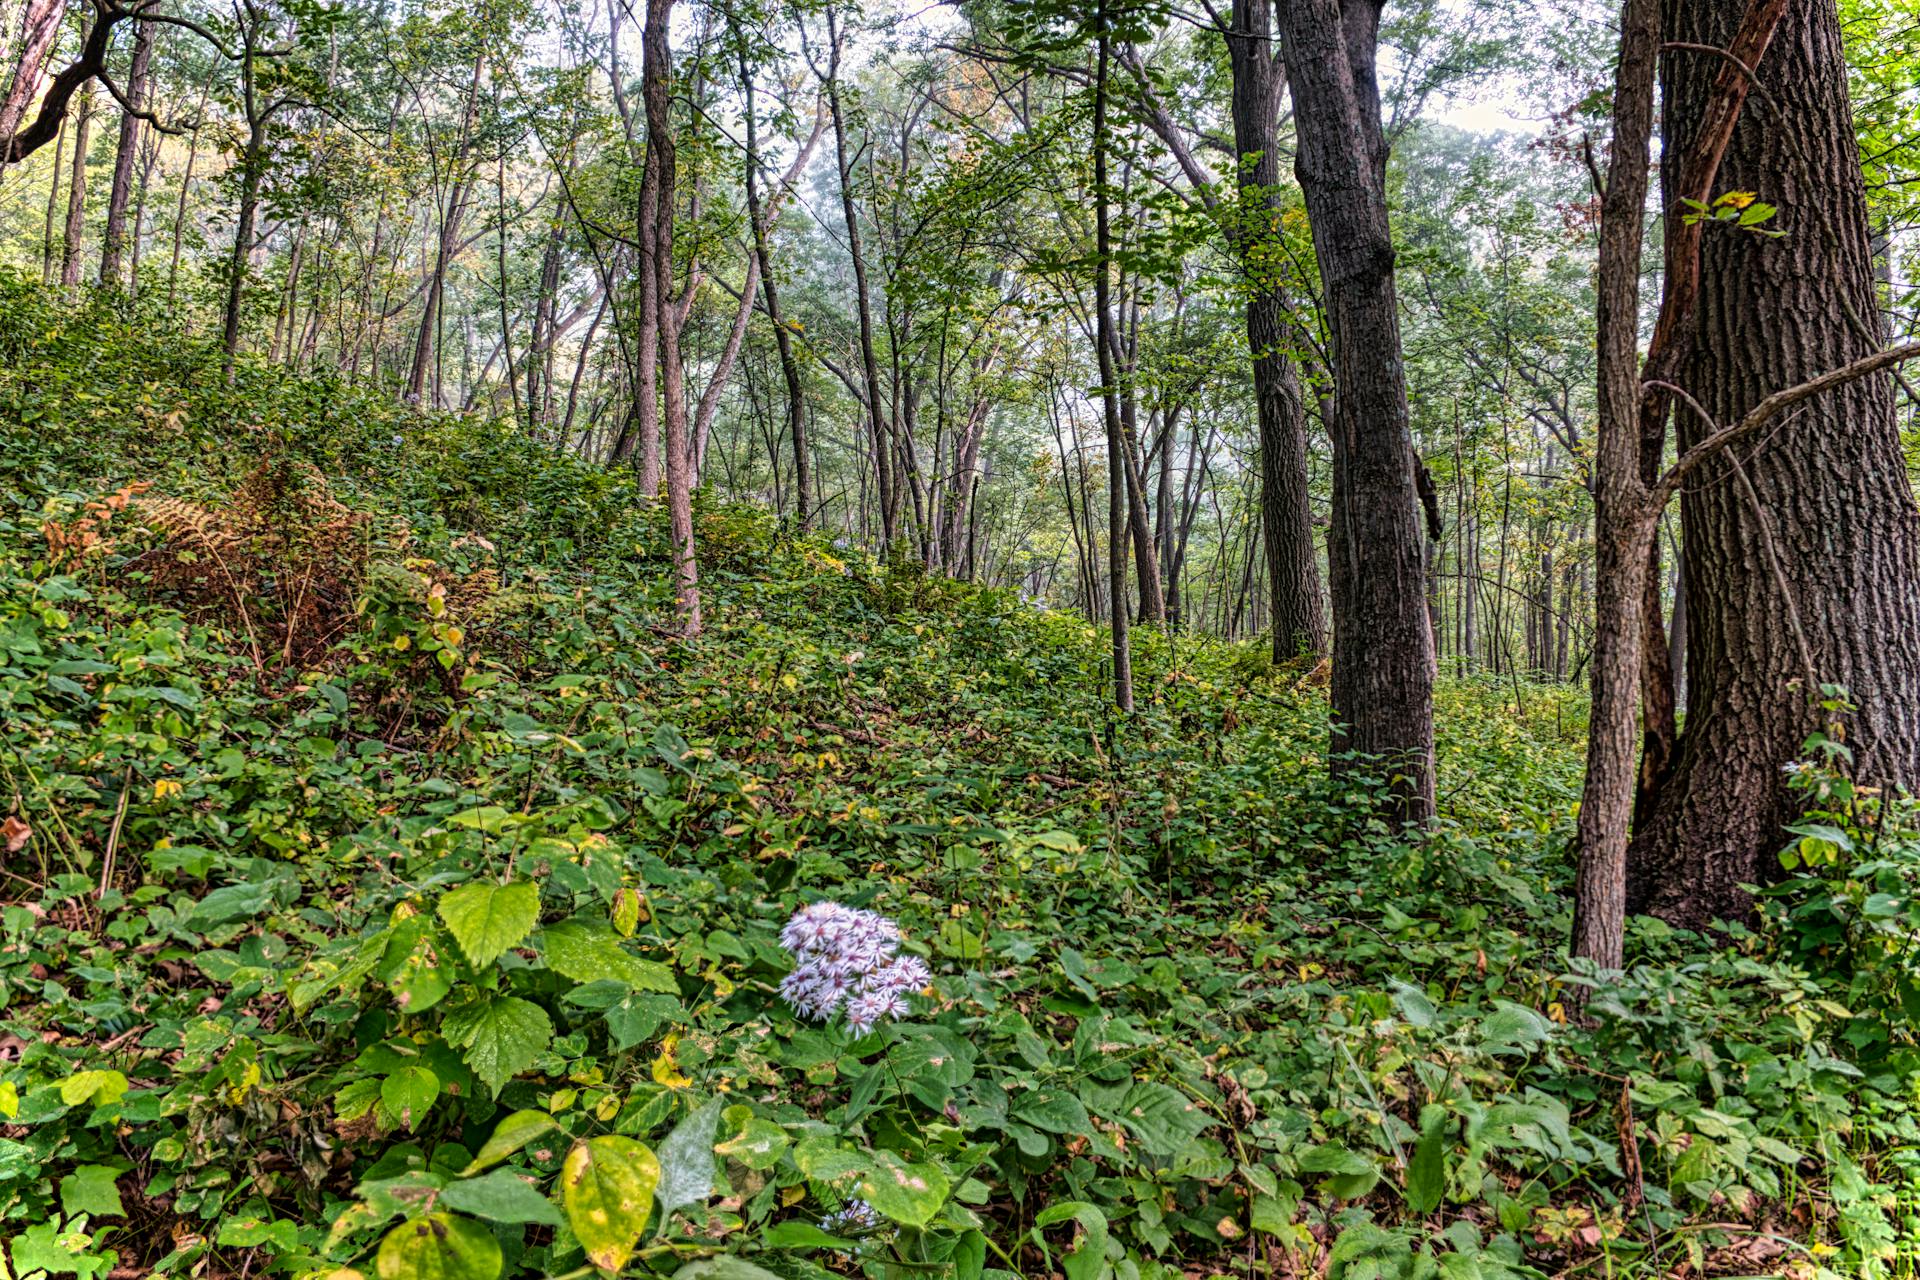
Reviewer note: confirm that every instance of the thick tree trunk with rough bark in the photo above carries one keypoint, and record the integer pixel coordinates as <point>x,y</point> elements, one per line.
<point>1382,679</point>
<point>1286,513</point>
<point>1803,544</point>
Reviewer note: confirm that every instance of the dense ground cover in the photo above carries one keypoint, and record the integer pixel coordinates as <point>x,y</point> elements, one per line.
<point>389,891</point>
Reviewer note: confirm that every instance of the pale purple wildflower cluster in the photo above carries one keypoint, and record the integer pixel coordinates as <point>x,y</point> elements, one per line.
<point>848,959</point>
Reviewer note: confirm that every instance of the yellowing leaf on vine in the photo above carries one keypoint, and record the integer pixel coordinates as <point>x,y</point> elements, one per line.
<point>607,1187</point>
<point>666,1070</point>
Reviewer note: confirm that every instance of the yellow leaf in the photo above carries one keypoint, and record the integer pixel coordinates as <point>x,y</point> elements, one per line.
<point>666,1071</point>
<point>166,787</point>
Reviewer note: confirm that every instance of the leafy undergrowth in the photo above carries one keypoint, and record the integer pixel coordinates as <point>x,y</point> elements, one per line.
<point>388,892</point>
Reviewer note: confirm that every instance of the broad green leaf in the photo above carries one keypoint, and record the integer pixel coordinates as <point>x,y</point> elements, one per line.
<point>1054,1112</point>
<point>970,1256</point>
<point>414,968</point>
<point>686,1161</point>
<point>588,954</point>
<point>607,1187</point>
<point>1351,1174</point>
<point>511,1134</point>
<point>723,1267</point>
<point>907,1193</point>
<point>1427,1170</point>
<point>408,1094</point>
<point>501,1196</point>
<point>91,1188</point>
<point>795,1234</point>
<point>1164,1119</point>
<point>501,1036</point>
<point>487,919</point>
<point>1088,1256</point>
<point>97,1087</point>
<point>821,1157</point>
<point>756,1143</point>
<point>440,1246</point>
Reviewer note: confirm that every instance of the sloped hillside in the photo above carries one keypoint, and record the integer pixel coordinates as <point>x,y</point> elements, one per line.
<point>389,892</point>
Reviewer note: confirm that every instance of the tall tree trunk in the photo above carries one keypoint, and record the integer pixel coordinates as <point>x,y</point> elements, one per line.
<point>885,477</point>
<point>426,346</point>
<point>53,206</point>
<point>1286,509</point>
<point>782,338</point>
<point>112,239</point>
<point>74,239</point>
<point>1802,547</point>
<point>252,170</point>
<point>1105,343</point>
<point>186,185</point>
<point>1382,680</point>
<point>1621,516</point>
<point>656,68</point>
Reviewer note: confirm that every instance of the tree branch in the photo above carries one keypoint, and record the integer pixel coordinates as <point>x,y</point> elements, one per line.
<point>1767,410</point>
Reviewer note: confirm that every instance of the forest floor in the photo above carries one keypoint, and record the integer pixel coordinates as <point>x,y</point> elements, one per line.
<point>389,890</point>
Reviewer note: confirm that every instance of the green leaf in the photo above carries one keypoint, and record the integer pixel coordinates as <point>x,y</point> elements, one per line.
<point>97,1087</point>
<point>1164,1119</point>
<point>756,1143</point>
<point>907,1193</point>
<point>822,1159</point>
<point>686,1161</point>
<point>970,1256</point>
<point>588,954</point>
<point>488,919</point>
<point>502,1037</point>
<point>511,1134</point>
<point>439,1246</point>
<point>1053,1112</point>
<point>1352,1174</point>
<point>1427,1170</point>
<point>607,1187</point>
<point>231,902</point>
<point>723,1267</point>
<point>91,1188</point>
<point>795,1234</point>
<point>408,1094</point>
<point>501,1196</point>
<point>413,967</point>
<point>1088,1257</point>
<point>46,1248</point>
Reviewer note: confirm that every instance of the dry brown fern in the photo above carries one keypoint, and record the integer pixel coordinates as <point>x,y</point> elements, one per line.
<point>282,561</point>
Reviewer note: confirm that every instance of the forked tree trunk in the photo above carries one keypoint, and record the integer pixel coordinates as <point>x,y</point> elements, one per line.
<point>1803,545</point>
<point>1382,679</point>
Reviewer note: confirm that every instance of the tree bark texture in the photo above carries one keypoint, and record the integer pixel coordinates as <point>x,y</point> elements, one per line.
<point>1382,678</point>
<point>1809,532</point>
<point>1286,510</point>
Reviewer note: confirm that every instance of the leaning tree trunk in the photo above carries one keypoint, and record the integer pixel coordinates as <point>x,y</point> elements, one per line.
<point>1382,679</point>
<point>1803,547</point>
